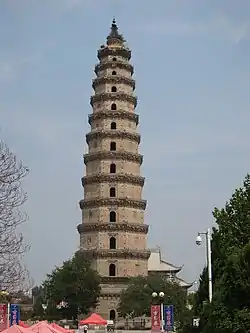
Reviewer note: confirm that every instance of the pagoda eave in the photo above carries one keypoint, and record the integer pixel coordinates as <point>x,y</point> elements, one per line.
<point>116,254</point>
<point>114,134</point>
<point>113,227</point>
<point>113,178</point>
<point>114,64</point>
<point>122,96</point>
<point>114,51</point>
<point>113,155</point>
<point>111,114</point>
<point>113,79</point>
<point>115,279</point>
<point>118,202</point>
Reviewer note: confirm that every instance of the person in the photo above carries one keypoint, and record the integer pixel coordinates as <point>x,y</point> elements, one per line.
<point>85,329</point>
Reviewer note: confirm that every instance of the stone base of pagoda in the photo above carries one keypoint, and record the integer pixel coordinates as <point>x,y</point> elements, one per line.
<point>111,288</point>
<point>108,306</point>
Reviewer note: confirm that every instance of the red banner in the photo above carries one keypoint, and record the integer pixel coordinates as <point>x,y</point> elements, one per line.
<point>155,318</point>
<point>3,317</point>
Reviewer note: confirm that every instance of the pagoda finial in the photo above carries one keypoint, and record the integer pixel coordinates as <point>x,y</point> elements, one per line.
<point>114,28</point>
<point>114,34</point>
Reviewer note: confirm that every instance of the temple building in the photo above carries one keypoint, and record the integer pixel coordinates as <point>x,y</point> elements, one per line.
<point>158,266</point>
<point>112,232</point>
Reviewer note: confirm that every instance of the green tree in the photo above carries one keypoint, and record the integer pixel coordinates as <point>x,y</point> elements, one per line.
<point>38,299</point>
<point>234,220</point>
<point>74,283</point>
<point>230,310</point>
<point>191,299</point>
<point>229,246</point>
<point>136,299</point>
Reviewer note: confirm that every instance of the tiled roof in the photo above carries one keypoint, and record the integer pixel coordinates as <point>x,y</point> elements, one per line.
<point>183,283</point>
<point>156,263</point>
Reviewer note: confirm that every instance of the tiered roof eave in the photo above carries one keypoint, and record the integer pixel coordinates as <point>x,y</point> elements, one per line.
<point>156,265</point>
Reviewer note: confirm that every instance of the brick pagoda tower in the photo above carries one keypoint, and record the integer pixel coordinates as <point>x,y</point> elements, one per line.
<point>113,232</point>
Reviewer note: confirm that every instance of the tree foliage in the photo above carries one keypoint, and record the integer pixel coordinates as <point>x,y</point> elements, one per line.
<point>230,308</point>
<point>135,300</point>
<point>12,271</point>
<point>74,283</point>
<point>229,311</point>
<point>38,299</point>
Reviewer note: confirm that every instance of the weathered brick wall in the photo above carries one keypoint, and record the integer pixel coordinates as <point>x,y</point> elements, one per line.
<point>95,167</point>
<point>121,105</point>
<point>121,144</point>
<point>92,191</point>
<point>123,215</point>
<point>121,124</point>
<point>125,240</point>
<point>106,88</point>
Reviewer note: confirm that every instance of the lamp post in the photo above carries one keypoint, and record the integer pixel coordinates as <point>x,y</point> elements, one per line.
<point>161,296</point>
<point>207,235</point>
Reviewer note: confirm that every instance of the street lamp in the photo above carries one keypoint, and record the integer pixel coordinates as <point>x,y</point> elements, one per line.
<point>44,306</point>
<point>161,295</point>
<point>207,235</point>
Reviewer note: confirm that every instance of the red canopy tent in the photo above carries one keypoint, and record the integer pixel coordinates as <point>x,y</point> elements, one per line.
<point>38,324</point>
<point>93,319</point>
<point>58,327</point>
<point>61,329</point>
<point>22,324</point>
<point>17,329</point>
<point>43,327</point>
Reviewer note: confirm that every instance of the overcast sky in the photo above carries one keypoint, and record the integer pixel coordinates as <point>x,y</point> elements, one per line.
<point>192,66</point>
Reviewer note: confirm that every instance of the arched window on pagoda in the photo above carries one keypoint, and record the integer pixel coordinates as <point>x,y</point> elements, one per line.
<point>112,216</point>
<point>112,315</point>
<point>112,243</point>
<point>112,270</point>
<point>112,193</point>
<point>113,146</point>
<point>112,168</point>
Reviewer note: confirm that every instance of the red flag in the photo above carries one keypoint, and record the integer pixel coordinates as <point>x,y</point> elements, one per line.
<point>3,317</point>
<point>155,318</point>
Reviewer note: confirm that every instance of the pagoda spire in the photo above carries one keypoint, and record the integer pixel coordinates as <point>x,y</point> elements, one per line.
<point>114,37</point>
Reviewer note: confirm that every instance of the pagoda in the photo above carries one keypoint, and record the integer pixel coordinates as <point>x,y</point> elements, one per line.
<point>112,232</point>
